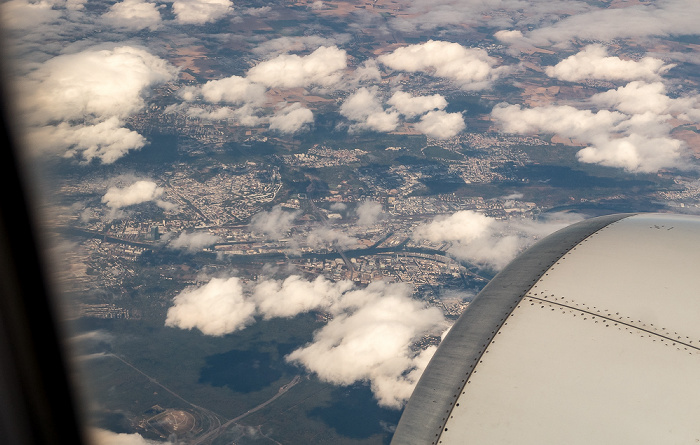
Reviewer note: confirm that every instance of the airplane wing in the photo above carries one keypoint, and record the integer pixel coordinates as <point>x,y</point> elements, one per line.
<point>590,336</point>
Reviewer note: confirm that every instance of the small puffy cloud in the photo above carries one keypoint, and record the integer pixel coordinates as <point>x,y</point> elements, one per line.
<point>194,242</point>
<point>133,15</point>
<point>412,106</point>
<point>368,212</point>
<point>275,223</point>
<point>232,90</point>
<point>291,119</point>
<point>636,153</point>
<point>565,120</point>
<point>106,141</point>
<point>338,207</point>
<point>258,12</point>
<point>323,67</point>
<point>470,68</point>
<point>440,124</point>
<point>216,308</point>
<point>247,115</point>
<point>99,436</point>
<point>508,36</point>
<point>136,193</point>
<point>366,110</point>
<point>593,62</point>
<point>285,44</point>
<point>486,241</point>
<point>636,98</point>
<point>465,226</point>
<point>367,73</point>
<point>198,12</point>
<point>324,237</point>
<point>211,114</point>
<point>295,295</point>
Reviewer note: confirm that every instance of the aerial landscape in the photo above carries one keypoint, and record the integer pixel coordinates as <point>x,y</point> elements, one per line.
<point>262,216</point>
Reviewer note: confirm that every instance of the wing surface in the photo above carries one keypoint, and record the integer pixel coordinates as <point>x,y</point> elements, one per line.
<point>590,336</point>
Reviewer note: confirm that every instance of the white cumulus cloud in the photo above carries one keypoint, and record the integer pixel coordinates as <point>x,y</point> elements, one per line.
<point>412,106</point>
<point>634,133</point>
<point>593,62</point>
<point>233,90</point>
<point>325,237</point>
<point>291,118</point>
<point>85,96</point>
<point>470,68</point>
<point>27,15</point>
<point>440,124</point>
<point>323,67</point>
<point>198,12</point>
<point>367,112</point>
<point>106,141</point>
<point>136,193</point>
<point>274,223</point>
<point>564,120</point>
<point>93,83</point>
<point>636,21</point>
<point>217,308</point>
<point>636,153</point>
<point>370,339</point>
<point>295,295</point>
<point>194,242</point>
<point>641,97</point>
<point>486,241</point>
<point>285,44</point>
<point>133,15</point>
<point>368,212</point>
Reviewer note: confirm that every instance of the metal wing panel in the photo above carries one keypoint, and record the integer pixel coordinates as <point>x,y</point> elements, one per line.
<point>603,348</point>
<point>562,376</point>
<point>436,393</point>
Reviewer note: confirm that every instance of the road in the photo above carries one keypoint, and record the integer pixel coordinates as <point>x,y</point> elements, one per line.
<point>216,427</point>
<point>211,435</point>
